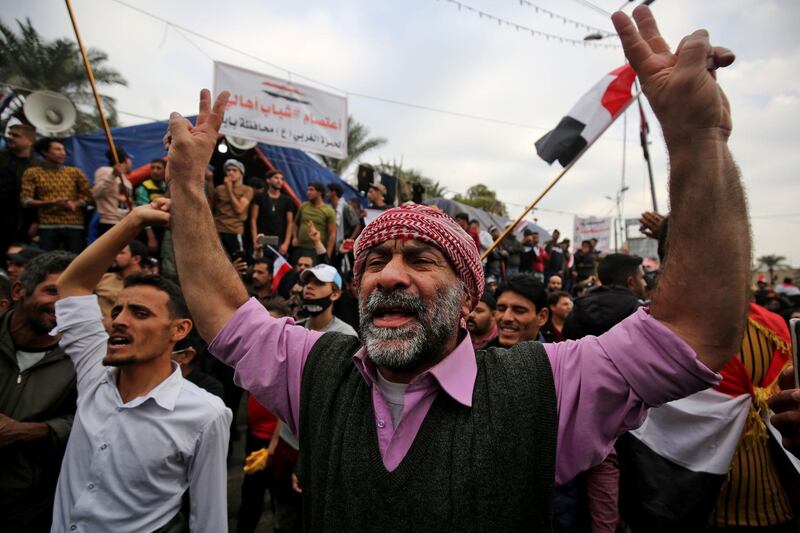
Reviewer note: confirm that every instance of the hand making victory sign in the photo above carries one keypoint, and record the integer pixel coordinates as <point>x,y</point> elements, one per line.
<point>681,87</point>
<point>190,147</point>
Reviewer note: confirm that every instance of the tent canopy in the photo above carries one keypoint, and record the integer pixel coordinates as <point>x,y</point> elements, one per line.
<point>143,142</point>
<point>486,219</point>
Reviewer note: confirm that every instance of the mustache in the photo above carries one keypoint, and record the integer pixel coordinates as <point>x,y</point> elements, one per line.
<point>397,298</point>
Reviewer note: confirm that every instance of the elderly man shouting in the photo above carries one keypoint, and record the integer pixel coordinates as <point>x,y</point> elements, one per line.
<point>414,428</point>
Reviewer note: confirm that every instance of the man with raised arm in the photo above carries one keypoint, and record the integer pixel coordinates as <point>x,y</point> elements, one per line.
<point>143,434</point>
<point>451,438</point>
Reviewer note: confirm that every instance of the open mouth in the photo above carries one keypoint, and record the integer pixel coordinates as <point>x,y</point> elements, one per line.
<point>392,316</point>
<point>117,340</point>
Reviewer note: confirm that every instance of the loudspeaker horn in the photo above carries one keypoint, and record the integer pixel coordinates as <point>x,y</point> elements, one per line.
<point>49,111</point>
<point>240,143</point>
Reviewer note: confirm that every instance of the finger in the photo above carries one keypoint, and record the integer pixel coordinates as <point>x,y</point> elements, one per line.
<point>785,401</point>
<point>205,106</point>
<point>214,115</point>
<point>695,52</point>
<point>786,379</point>
<point>723,57</point>
<point>648,29</point>
<point>636,48</point>
<point>179,127</point>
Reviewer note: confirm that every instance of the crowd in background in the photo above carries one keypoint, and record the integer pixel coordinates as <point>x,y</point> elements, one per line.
<point>297,261</point>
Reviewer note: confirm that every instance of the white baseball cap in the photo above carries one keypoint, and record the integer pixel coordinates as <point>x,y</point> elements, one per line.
<point>324,273</point>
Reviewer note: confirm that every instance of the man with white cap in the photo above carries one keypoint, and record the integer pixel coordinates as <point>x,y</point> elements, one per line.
<point>322,285</point>
<point>231,202</point>
<point>480,436</point>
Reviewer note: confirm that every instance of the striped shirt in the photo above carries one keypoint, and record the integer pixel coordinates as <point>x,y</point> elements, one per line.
<point>752,495</point>
<point>61,183</point>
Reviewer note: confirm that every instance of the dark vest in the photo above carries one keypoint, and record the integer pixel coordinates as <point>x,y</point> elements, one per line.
<point>490,467</point>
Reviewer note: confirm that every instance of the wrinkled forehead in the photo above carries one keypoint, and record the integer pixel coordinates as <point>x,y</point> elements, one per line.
<point>406,246</point>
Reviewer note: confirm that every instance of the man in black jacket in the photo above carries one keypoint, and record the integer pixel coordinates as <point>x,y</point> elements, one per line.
<point>37,398</point>
<point>621,293</point>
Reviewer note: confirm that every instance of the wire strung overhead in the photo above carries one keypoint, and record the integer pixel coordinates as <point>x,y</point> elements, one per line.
<point>566,20</point>
<point>533,32</point>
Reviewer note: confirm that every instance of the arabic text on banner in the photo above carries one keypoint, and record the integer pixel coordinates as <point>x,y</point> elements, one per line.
<point>593,228</point>
<point>274,111</point>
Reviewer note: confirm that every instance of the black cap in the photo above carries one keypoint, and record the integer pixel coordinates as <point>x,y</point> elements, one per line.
<point>26,254</point>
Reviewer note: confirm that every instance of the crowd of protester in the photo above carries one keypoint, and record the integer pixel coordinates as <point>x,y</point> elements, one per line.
<point>115,412</point>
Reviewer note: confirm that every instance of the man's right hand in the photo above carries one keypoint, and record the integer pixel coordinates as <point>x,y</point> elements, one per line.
<point>681,87</point>
<point>190,147</point>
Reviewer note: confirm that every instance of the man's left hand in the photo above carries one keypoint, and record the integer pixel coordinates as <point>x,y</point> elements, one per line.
<point>681,87</point>
<point>6,430</point>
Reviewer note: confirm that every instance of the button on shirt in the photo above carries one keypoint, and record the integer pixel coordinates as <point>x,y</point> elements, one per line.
<point>127,465</point>
<point>604,385</point>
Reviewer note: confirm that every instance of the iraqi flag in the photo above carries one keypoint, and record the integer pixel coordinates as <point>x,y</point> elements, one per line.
<point>589,118</point>
<point>673,466</point>
<point>279,268</point>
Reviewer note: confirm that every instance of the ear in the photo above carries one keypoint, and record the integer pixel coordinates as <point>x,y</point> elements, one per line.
<point>186,357</point>
<point>630,282</point>
<point>180,328</point>
<point>466,306</point>
<point>542,316</point>
<point>17,291</point>
<point>5,303</point>
<point>336,294</point>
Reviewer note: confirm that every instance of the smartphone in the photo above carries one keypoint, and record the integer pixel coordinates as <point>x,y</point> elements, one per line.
<point>237,256</point>
<point>794,327</point>
<point>268,240</point>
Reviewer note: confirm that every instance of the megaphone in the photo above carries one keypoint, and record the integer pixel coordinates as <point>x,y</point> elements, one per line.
<point>240,143</point>
<point>49,111</point>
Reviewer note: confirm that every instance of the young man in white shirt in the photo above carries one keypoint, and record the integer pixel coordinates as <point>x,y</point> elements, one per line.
<point>143,434</point>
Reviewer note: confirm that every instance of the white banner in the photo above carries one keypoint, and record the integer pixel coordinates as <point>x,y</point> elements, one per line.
<point>274,111</point>
<point>593,228</point>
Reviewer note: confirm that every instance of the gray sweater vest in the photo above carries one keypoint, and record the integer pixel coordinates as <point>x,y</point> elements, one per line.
<point>490,467</point>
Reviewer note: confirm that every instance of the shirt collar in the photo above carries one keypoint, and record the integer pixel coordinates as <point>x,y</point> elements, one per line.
<point>165,394</point>
<point>455,373</point>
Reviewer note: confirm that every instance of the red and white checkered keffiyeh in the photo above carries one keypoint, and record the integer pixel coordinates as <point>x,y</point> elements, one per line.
<point>431,226</point>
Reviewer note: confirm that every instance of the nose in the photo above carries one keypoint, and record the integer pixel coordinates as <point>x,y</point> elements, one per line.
<point>505,316</point>
<point>394,274</point>
<point>121,320</point>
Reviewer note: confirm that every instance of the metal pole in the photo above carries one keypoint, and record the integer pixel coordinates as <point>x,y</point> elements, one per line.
<point>536,200</point>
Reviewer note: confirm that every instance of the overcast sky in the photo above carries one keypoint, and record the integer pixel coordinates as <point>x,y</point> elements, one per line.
<point>430,53</point>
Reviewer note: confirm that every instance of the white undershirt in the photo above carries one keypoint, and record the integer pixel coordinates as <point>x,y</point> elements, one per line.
<point>393,393</point>
<point>25,360</point>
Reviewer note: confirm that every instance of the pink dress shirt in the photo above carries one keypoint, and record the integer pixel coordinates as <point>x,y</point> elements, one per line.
<point>604,385</point>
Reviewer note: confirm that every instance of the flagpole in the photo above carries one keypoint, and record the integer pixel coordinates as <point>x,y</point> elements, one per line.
<point>643,130</point>
<point>552,184</point>
<point>97,100</point>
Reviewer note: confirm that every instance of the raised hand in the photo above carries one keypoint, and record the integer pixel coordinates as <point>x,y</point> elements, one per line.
<point>190,147</point>
<point>156,213</point>
<point>651,224</point>
<point>313,233</point>
<point>681,86</point>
